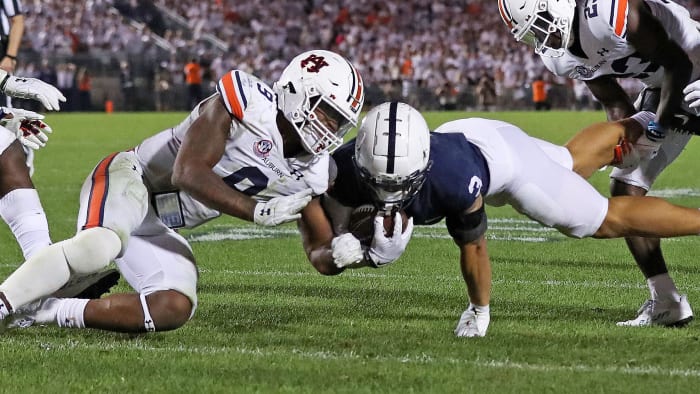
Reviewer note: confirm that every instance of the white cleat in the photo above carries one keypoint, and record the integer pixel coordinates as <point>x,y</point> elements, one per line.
<point>472,324</point>
<point>38,312</point>
<point>668,313</point>
<point>43,311</point>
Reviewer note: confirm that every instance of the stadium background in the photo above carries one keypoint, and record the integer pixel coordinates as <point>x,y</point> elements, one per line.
<point>451,54</point>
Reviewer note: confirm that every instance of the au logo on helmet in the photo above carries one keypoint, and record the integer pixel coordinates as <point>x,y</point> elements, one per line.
<point>318,63</point>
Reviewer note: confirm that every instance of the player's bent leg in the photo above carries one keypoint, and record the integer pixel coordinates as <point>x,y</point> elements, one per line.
<point>162,268</point>
<point>50,268</point>
<point>160,311</point>
<point>647,217</point>
<point>128,312</point>
<point>92,249</point>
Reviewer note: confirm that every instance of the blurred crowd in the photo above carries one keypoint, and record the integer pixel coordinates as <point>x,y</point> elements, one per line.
<point>449,54</point>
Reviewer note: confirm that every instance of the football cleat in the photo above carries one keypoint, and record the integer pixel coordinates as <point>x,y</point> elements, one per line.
<point>668,313</point>
<point>42,311</point>
<point>88,286</point>
<point>472,323</point>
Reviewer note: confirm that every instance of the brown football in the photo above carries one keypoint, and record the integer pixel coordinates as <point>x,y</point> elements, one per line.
<point>361,223</point>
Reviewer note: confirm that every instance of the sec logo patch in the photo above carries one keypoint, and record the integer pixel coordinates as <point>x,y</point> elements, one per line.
<point>262,148</point>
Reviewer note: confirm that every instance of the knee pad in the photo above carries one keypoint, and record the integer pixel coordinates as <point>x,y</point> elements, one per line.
<point>91,250</point>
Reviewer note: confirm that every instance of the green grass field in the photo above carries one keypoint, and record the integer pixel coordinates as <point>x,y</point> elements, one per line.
<point>267,322</point>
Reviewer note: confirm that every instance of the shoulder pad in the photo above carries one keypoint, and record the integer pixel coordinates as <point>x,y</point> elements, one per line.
<point>606,17</point>
<point>233,88</point>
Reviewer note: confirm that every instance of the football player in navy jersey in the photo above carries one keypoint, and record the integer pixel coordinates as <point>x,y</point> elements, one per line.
<point>599,41</point>
<point>396,163</point>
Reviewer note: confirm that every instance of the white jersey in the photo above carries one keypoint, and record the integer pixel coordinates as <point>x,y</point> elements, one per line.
<point>253,162</point>
<point>602,32</point>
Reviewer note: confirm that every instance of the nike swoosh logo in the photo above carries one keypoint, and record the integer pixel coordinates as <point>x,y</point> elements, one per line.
<point>684,118</point>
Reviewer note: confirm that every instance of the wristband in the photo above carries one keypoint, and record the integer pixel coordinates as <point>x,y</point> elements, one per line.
<point>655,132</point>
<point>11,57</point>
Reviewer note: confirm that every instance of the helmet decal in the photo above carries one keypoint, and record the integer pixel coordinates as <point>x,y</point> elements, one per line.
<point>315,61</point>
<point>356,92</point>
<point>505,13</point>
<point>391,154</point>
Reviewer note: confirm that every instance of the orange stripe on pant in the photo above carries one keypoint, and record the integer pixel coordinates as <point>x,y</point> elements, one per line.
<point>98,193</point>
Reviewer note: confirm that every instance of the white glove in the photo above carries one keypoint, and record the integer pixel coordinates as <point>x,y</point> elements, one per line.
<point>281,209</point>
<point>474,322</point>
<point>387,250</point>
<point>692,94</point>
<point>27,126</point>
<point>347,250</point>
<point>31,88</point>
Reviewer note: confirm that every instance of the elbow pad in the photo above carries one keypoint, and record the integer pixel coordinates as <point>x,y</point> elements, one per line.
<point>467,228</point>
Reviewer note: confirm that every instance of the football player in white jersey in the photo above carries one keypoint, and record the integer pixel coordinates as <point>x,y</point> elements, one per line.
<point>598,41</point>
<point>395,162</point>
<point>251,151</point>
<point>20,206</point>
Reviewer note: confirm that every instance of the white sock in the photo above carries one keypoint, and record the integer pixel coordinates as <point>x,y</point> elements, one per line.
<point>4,310</point>
<point>479,309</point>
<point>662,286</point>
<point>22,211</point>
<point>70,312</point>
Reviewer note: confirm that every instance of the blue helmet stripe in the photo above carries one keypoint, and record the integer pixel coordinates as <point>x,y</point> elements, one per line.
<point>391,149</point>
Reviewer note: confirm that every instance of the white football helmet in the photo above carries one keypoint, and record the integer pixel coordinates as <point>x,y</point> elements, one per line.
<point>544,24</point>
<point>392,153</point>
<point>321,94</point>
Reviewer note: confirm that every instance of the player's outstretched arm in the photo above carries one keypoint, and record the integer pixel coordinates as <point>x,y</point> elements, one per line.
<point>203,147</point>
<point>317,237</point>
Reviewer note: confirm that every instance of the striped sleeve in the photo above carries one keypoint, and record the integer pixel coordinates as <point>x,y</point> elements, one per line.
<point>618,17</point>
<point>12,8</point>
<point>231,91</point>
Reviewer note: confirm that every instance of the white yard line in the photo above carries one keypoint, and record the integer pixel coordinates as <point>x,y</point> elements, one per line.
<point>423,359</point>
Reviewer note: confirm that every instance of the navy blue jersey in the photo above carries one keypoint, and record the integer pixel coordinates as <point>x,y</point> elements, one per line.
<point>455,164</point>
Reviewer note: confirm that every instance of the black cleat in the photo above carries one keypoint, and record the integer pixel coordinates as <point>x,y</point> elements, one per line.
<point>89,286</point>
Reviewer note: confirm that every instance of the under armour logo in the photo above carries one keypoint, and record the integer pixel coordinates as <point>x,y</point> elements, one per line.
<point>297,174</point>
<point>602,51</point>
<point>17,79</point>
<point>318,63</point>
<point>265,212</point>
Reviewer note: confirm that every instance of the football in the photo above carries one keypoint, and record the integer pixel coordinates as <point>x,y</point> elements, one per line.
<point>361,223</point>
